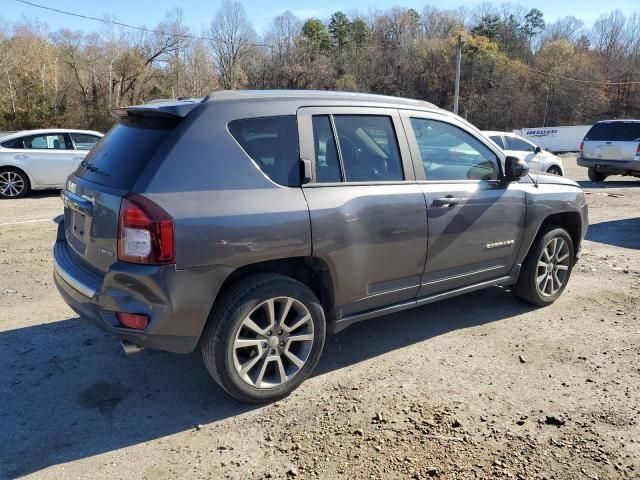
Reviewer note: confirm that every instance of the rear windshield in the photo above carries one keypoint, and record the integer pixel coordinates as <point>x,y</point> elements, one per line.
<point>119,157</point>
<point>615,132</point>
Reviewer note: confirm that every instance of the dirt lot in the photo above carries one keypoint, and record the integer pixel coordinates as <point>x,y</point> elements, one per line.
<point>481,386</point>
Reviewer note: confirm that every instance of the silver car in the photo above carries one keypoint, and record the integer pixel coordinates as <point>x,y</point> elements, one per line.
<point>611,147</point>
<point>539,160</point>
<point>41,159</point>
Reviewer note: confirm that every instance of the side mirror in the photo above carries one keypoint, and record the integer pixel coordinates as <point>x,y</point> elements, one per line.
<point>515,168</point>
<point>537,150</point>
<point>306,174</point>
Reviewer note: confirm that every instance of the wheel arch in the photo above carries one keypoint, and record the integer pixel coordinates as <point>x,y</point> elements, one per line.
<point>20,169</point>
<point>311,271</point>
<point>555,163</point>
<point>570,221</point>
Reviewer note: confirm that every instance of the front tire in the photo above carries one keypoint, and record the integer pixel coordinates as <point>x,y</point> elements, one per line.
<point>555,170</point>
<point>14,183</point>
<point>596,176</point>
<point>264,337</point>
<point>547,268</point>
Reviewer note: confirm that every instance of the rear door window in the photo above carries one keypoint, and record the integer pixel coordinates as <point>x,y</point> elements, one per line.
<point>514,143</point>
<point>119,158</point>
<point>271,142</point>
<point>46,142</point>
<point>615,132</point>
<point>327,164</point>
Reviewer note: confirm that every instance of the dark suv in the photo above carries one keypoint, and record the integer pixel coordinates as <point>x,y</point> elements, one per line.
<point>251,223</point>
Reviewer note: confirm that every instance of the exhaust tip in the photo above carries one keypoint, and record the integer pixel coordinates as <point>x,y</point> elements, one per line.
<point>131,348</point>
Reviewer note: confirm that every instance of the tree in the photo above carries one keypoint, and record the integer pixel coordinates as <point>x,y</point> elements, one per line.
<point>316,34</point>
<point>490,26</point>
<point>283,32</point>
<point>437,24</point>
<point>314,31</point>
<point>533,24</point>
<point>566,28</point>
<point>339,30</point>
<point>359,32</point>
<point>232,36</point>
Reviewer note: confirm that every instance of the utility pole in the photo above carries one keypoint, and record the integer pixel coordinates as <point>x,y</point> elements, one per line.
<point>546,104</point>
<point>457,88</point>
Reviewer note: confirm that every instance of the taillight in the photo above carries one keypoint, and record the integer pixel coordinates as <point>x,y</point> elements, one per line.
<point>637,157</point>
<point>132,320</point>
<point>145,232</point>
<point>581,147</point>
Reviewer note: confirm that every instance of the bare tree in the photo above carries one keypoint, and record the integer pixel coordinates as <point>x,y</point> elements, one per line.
<point>232,37</point>
<point>608,33</point>
<point>567,28</point>
<point>283,33</point>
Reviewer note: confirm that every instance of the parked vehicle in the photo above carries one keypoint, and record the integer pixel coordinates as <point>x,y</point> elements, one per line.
<point>611,147</point>
<point>539,160</point>
<point>41,159</point>
<point>555,139</point>
<point>250,224</point>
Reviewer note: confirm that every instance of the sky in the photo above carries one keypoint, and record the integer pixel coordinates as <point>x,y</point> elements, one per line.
<point>198,12</point>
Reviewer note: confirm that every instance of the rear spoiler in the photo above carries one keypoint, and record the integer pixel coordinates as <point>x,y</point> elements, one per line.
<point>160,109</point>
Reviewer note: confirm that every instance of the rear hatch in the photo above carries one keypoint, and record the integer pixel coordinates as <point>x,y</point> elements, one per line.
<point>612,140</point>
<point>93,194</point>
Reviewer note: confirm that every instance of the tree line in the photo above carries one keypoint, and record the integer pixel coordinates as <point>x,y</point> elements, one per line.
<point>517,69</point>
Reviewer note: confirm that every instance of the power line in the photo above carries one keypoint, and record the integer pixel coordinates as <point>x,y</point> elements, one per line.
<point>135,27</point>
<point>555,75</point>
<point>578,80</point>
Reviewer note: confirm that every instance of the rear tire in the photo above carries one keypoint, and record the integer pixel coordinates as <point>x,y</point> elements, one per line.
<point>596,176</point>
<point>14,183</point>
<point>547,267</point>
<point>264,337</point>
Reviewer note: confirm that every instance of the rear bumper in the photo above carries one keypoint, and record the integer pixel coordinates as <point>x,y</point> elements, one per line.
<point>613,167</point>
<point>177,302</point>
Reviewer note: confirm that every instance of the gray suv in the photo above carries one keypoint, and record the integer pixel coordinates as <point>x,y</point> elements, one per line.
<point>250,224</point>
<point>611,147</point>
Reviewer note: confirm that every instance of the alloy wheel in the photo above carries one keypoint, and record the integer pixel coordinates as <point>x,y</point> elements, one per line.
<point>273,342</point>
<point>553,267</point>
<point>11,184</point>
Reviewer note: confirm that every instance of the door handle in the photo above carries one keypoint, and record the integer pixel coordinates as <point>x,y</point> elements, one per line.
<point>446,202</point>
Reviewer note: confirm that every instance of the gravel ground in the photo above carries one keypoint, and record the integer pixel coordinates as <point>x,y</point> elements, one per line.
<point>481,386</point>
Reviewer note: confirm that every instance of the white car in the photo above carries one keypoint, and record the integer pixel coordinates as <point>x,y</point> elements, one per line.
<point>41,159</point>
<point>538,159</point>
